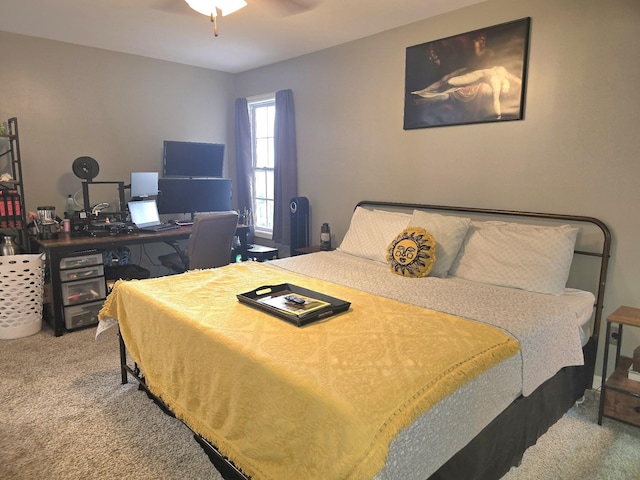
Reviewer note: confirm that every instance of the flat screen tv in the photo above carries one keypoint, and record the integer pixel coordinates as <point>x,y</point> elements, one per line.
<point>191,195</point>
<point>193,159</point>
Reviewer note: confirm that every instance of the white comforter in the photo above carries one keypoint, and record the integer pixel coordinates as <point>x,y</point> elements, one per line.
<point>546,326</point>
<point>549,329</point>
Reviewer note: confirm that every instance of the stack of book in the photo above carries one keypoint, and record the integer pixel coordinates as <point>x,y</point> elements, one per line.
<point>10,209</point>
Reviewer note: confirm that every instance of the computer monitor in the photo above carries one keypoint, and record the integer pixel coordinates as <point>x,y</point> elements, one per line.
<point>144,184</point>
<point>191,195</point>
<point>193,159</point>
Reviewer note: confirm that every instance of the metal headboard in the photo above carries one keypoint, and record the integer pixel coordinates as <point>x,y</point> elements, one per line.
<point>603,254</point>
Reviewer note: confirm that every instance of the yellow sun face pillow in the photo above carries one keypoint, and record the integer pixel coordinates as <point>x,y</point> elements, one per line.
<point>412,253</point>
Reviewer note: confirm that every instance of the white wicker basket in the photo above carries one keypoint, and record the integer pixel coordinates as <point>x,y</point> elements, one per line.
<point>21,279</point>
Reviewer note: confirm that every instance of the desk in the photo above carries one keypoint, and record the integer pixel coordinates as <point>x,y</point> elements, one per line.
<point>67,244</point>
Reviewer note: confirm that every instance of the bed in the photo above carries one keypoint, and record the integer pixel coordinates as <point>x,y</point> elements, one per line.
<point>358,394</point>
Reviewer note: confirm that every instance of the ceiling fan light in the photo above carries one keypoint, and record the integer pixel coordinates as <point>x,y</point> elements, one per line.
<point>205,7</point>
<point>210,7</point>
<point>229,6</point>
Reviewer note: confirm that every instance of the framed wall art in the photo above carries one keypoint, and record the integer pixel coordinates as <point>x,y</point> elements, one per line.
<point>473,77</point>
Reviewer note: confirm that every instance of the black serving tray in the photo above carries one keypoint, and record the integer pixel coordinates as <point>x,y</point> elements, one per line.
<point>268,293</point>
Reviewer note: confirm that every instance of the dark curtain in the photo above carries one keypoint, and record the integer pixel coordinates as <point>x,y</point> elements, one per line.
<point>286,162</point>
<point>286,165</point>
<point>244,169</point>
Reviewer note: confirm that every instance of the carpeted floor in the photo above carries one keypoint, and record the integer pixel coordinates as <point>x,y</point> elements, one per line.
<point>65,415</point>
<point>578,448</point>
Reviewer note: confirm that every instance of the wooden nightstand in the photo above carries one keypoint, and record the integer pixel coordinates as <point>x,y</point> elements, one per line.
<point>620,396</point>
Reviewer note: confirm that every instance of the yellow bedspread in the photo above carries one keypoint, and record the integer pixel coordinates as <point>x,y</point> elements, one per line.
<point>282,402</point>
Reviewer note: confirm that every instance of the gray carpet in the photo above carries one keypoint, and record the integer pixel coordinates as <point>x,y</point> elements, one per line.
<point>65,415</point>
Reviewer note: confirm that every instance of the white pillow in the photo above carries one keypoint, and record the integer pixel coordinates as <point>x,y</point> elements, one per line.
<point>531,257</point>
<point>371,232</point>
<point>449,233</point>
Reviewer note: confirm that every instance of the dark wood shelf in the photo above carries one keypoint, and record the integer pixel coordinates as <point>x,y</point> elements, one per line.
<point>15,223</point>
<point>620,381</point>
<point>620,396</point>
<point>626,316</point>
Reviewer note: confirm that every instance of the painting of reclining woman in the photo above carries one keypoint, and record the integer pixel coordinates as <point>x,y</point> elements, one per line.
<point>474,77</point>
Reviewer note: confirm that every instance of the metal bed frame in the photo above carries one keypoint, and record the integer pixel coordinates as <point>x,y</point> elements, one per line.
<point>603,253</point>
<point>503,442</point>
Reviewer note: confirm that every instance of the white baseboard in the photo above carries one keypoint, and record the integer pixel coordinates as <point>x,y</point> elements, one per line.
<point>597,382</point>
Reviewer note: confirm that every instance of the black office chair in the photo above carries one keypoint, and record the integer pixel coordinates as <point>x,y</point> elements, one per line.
<point>209,244</point>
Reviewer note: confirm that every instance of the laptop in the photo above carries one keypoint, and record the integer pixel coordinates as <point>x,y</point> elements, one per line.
<point>144,214</point>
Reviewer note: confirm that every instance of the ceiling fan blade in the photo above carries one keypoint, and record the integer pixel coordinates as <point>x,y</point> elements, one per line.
<point>290,7</point>
<point>172,6</point>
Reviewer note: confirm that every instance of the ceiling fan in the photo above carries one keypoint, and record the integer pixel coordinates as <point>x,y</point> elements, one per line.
<point>212,8</point>
<point>286,8</point>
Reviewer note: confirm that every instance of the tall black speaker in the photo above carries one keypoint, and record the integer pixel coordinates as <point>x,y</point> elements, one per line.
<point>299,208</point>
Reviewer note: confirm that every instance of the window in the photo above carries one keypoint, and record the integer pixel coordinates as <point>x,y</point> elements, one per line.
<point>262,115</point>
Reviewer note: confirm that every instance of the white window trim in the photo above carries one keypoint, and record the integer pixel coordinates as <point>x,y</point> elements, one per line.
<point>261,98</point>
<point>252,101</point>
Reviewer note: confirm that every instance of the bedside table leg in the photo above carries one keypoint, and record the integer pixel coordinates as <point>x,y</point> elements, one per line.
<point>604,373</point>
<point>618,344</point>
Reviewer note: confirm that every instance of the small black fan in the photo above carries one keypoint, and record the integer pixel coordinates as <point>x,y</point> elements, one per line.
<point>85,168</point>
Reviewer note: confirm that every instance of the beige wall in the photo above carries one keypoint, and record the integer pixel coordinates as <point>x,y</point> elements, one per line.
<point>73,101</point>
<point>576,152</point>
